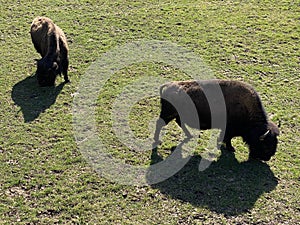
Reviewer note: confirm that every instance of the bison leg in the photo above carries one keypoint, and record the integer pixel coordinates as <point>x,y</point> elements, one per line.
<point>229,146</point>
<point>183,127</point>
<point>226,142</point>
<point>66,78</point>
<point>64,60</point>
<point>160,123</point>
<point>65,64</point>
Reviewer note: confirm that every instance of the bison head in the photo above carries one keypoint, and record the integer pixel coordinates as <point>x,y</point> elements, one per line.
<point>47,71</point>
<point>263,146</point>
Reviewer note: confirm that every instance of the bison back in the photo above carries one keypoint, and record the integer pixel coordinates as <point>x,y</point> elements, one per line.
<point>243,105</point>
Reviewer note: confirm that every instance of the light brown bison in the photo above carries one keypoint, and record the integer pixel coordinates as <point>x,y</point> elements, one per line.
<point>50,41</point>
<point>245,115</point>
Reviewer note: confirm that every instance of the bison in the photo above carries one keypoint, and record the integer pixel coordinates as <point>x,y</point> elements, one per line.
<point>245,114</point>
<point>50,41</point>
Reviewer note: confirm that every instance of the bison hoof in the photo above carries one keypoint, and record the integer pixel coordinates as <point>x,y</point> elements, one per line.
<point>156,143</point>
<point>189,136</point>
<point>230,149</point>
<point>227,148</point>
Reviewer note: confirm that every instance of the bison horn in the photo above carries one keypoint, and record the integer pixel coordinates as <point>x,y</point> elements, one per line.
<point>262,137</point>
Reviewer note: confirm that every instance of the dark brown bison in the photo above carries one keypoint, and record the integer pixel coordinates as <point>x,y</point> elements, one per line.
<point>243,112</point>
<point>50,41</point>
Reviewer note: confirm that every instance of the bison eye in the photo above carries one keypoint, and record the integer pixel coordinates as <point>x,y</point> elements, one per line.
<point>54,66</point>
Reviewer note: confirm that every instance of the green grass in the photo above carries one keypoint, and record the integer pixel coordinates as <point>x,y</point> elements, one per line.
<point>45,179</point>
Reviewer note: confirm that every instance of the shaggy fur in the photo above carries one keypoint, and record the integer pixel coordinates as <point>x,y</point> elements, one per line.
<point>246,116</point>
<point>50,41</point>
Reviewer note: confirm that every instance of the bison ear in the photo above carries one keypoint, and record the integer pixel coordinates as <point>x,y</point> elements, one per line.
<point>262,137</point>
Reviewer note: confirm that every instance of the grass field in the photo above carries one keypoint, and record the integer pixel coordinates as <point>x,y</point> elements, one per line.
<point>46,180</point>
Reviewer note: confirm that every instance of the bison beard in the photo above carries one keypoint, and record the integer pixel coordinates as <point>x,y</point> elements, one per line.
<point>246,116</point>
<point>50,41</point>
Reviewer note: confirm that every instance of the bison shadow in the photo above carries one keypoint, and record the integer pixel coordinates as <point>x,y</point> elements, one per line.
<point>33,99</point>
<point>226,187</point>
